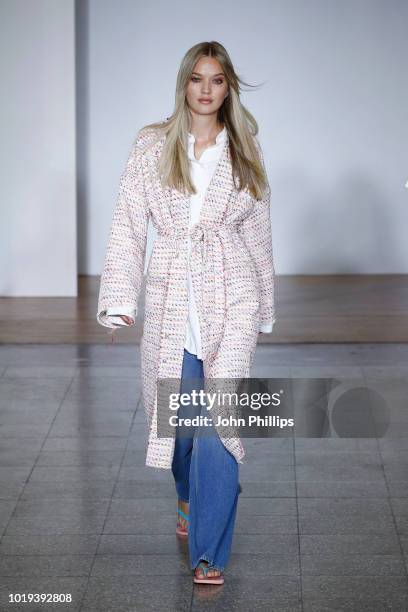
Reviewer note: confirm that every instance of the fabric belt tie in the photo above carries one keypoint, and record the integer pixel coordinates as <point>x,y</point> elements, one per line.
<point>207,256</point>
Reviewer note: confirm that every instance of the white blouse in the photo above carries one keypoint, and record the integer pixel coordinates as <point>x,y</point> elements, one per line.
<point>202,171</point>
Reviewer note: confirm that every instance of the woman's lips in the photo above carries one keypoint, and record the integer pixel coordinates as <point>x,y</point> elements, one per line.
<point>204,101</point>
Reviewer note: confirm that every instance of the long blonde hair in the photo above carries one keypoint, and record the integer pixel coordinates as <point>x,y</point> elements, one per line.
<point>247,163</point>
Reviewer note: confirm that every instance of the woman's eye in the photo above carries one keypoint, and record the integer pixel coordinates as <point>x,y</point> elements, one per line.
<point>217,81</point>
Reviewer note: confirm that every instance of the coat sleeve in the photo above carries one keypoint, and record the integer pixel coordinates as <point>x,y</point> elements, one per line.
<point>122,272</point>
<point>256,233</point>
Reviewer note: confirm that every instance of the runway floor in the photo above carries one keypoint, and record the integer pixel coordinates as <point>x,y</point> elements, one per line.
<point>322,524</point>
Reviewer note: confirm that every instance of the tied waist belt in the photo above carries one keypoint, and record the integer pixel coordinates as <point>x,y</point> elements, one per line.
<point>199,231</point>
<point>208,272</point>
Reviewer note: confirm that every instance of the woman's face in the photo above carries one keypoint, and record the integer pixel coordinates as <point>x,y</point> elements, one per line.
<point>207,88</point>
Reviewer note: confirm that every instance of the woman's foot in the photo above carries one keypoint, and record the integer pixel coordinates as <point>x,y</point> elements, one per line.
<point>182,514</point>
<point>184,507</point>
<point>207,575</point>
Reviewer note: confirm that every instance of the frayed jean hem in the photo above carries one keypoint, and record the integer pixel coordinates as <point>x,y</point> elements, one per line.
<point>210,563</point>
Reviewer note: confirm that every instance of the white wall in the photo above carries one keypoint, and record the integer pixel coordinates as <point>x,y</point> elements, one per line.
<point>332,113</point>
<point>37,153</point>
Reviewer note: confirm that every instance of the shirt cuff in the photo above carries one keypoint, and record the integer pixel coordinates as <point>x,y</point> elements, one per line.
<point>114,312</point>
<point>266,328</point>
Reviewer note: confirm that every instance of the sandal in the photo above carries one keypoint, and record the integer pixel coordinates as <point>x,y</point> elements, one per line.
<point>207,579</point>
<point>180,529</point>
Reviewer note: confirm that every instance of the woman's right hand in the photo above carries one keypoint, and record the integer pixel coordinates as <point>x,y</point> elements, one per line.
<point>127,320</point>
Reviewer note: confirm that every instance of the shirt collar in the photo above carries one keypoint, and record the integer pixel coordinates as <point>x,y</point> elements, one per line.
<point>210,153</point>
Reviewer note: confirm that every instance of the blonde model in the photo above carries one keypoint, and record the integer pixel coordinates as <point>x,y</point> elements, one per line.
<point>199,177</point>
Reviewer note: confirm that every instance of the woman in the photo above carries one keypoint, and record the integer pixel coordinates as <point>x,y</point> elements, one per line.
<point>200,177</point>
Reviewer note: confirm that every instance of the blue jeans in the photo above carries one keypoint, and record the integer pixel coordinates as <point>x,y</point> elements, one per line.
<point>206,475</point>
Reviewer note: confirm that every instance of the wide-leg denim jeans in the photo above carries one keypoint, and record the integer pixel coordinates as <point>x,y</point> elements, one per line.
<point>206,475</point>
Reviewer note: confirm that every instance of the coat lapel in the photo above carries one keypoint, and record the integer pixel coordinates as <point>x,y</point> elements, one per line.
<point>219,184</point>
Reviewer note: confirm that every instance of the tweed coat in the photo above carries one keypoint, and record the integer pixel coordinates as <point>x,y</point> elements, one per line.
<point>232,272</point>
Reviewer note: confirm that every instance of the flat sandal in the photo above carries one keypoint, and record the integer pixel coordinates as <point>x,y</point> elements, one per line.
<point>180,529</point>
<point>207,579</point>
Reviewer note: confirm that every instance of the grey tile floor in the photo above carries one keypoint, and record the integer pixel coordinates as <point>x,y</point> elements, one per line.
<point>322,524</point>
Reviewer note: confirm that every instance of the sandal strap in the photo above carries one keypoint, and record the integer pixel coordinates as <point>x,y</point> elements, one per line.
<point>183,514</point>
<point>205,568</point>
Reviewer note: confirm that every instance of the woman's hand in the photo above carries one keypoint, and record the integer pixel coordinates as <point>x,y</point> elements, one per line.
<point>127,320</point>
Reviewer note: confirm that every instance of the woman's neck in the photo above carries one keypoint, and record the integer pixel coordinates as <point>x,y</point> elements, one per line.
<point>206,133</point>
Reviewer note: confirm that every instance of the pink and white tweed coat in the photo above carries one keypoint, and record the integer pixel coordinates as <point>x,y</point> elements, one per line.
<point>232,271</point>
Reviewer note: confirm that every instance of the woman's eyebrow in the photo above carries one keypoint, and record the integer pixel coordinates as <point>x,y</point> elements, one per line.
<point>214,75</point>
